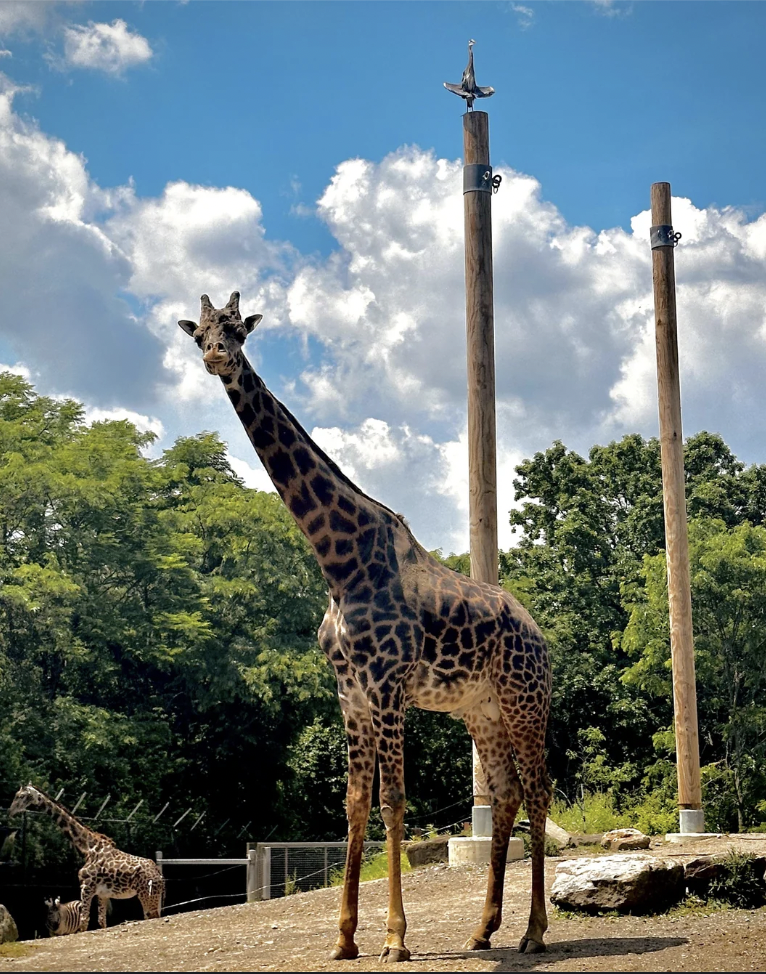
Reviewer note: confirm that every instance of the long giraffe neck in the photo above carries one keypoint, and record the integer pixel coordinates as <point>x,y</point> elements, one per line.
<point>81,837</point>
<point>340,522</point>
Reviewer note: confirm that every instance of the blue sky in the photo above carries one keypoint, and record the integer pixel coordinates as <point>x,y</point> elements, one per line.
<point>308,154</point>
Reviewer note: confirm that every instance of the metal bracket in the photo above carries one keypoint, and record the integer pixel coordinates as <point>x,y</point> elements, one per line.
<point>477,179</point>
<point>663,236</point>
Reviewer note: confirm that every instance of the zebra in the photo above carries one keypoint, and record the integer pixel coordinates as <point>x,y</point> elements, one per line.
<point>62,918</point>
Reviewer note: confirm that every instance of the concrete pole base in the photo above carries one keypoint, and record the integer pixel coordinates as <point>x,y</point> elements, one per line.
<point>481,821</point>
<point>692,827</point>
<point>477,849</point>
<point>691,821</point>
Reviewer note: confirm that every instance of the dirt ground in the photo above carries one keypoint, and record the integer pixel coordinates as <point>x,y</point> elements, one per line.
<point>443,904</point>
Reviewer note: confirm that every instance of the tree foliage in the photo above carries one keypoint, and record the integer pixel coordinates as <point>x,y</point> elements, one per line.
<point>158,634</point>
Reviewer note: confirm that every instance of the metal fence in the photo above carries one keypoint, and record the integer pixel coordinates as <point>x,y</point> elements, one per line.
<point>275,869</point>
<point>288,867</point>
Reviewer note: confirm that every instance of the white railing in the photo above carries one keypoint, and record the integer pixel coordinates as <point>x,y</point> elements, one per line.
<point>280,867</point>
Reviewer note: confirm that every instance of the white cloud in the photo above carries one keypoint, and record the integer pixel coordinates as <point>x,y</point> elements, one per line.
<point>25,17</point>
<point>105,47</point>
<point>17,369</point>
<point>6,53</point>
<point>524,15</point>
<point>253,474</point>
<point>613,8</point>
<point>146,424</point>
<point>94,279</point>
<point>193,237</point>
<point>62,277</point>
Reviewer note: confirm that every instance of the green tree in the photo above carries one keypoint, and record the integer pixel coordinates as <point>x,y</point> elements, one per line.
<point>728,578</point>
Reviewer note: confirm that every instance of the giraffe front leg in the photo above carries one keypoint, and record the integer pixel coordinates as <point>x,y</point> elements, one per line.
<point>496,755</point>
<point>389,729</point>
<point>87,892</point>
<point>103,903</point>
<point>361,768</point>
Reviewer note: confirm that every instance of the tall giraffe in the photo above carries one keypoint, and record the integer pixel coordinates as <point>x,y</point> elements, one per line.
<point>108,872</point>
<point>401,630</point>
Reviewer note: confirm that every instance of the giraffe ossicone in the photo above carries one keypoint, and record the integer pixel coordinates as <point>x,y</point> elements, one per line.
<point>401,630</point>
<point>108,872</point>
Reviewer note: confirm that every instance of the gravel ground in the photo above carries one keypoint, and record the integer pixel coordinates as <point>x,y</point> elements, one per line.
<point>296,933</point>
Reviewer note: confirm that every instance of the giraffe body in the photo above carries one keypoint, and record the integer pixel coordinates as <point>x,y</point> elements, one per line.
<point>401,630</point>
<point>108,872</point>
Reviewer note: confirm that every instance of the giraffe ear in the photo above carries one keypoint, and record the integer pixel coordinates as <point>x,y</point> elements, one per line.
<point>251,321</point>
<point>188,326</point>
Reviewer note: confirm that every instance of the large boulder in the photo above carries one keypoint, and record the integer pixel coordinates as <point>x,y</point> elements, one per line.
<point>428,850</point>
<point>8,929</point>
<point>629,884</point>
<point>744,886</point>
<point>625,840</point>
<point>560,837</point>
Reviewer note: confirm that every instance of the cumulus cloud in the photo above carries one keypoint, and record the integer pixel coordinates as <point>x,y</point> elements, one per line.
<point>147,424</point>
<point>105,47</point>
<point>574,325</point>
<point>193,234</point>
<point>368,344</point>
<point>62,277</point>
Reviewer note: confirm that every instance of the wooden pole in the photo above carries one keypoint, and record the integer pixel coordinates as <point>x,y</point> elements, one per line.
<point>674,496</point>
<point>480,335</point>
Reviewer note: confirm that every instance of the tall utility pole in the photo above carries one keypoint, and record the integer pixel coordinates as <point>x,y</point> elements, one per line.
<point>663,240</point>
<point>478,185</point>
<point>480,335</point>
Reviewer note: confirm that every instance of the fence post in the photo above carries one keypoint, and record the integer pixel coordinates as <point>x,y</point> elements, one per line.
<point>266,872</point>
<point>158,858</point>
<point>253,892</point>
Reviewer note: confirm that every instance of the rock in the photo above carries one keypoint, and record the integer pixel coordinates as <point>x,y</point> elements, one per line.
<point>625,840</point>
<point>625,883</point>
<point>700,872</point>
<point>8,929</point>
<point>590,838</point>
<point>556,834</point>
<point>428,850</point>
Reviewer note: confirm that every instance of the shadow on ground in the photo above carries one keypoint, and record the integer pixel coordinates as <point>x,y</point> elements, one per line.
<point>509,959</point>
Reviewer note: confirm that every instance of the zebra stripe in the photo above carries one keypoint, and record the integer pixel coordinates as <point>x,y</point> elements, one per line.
<point>62,918</point>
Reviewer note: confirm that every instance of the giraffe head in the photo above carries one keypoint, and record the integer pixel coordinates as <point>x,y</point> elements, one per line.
<point>24,798</point>
<point>221,335</point>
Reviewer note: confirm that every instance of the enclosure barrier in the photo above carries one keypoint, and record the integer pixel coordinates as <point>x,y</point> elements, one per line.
<point>278,868</point>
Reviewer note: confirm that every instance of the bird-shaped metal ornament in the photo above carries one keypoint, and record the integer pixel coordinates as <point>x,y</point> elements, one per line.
<point>468,88</point>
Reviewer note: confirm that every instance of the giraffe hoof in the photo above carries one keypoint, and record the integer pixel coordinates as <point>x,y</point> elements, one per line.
<point>529,946</point>
<point>394,955</point>
<point>478,943</point>
<point>339,952</point>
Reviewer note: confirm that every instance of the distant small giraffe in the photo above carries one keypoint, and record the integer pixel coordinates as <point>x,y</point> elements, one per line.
<point>63,918</point>
<point>401,630</point>
<point>108,872</point>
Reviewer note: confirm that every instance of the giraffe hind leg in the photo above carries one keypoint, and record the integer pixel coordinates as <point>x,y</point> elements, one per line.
<point>494,746</point>
<point>528,742</point>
